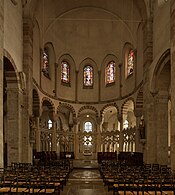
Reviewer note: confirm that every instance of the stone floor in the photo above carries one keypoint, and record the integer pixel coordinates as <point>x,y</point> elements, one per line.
<point>85,163</point>
<point>85,181</point>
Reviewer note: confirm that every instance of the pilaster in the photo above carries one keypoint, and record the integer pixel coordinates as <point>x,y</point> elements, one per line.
<point>120,119</point>
<point>137,134</point>
<point>27,97</point>
<point>162,127</point>
<point>37,138</point>
<point>13,133</point>
<point>54,144</point>
<point>98,138</point>
<point>149,104</point>
<point>172,37</point>
<point>1,81</point>
<point>76,141</point>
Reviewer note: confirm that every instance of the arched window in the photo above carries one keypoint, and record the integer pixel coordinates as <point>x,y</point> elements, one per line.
<point>125,124</point>
<point>65,72</point>
<point>49,123</point>
<point>130,62</point>
<point>88,127</point>
<point>110,72</point>
<point>88,76</point>
<point>45,68</point>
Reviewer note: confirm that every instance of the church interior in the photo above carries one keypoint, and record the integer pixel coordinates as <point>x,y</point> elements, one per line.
<point>87,97</point>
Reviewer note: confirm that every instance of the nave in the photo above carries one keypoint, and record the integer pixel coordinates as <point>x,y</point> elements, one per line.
<point>110,178</point>
<point>87,177</point>
<point>85,181</point>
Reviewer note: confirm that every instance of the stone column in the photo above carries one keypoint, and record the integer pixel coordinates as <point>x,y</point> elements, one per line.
<point>76,86</point>
<point>148,103</point>
<point>98,135</point>
<point>38,136</point>
<point>76,141</point>
<point>1,80</point>
<point>137,134</point>
<point>99,86</point>
<point>120,119</point>
<point>162,127</point>
<point>27,97</point>
<point>120,80</point>
<point>150,131</point>
<point>172,21</point>
<point>14,127</point>
<point>54,142</point>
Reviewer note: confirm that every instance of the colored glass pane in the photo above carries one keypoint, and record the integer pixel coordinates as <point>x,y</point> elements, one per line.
<point>88,126</point>
<point>110,72</point>
<point>88,76</point>
<point>49,124</point>
<point>45,68</point>
<point>130,65</point>
<point>65,72</point>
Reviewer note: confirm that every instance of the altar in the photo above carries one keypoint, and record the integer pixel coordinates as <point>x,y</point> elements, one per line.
<point>87,154</point>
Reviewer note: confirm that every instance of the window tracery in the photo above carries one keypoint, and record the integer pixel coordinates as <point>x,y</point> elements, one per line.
<point>88,127</point>
<point>110,72</point>
<point>88,76</point>
<point>45,68</point>
<point>130,63</point>
<point>65,72</point>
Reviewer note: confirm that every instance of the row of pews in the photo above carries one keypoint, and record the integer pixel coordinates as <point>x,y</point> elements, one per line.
<point>146,179</point>
<point>24,178</point>
<point>128,158</point>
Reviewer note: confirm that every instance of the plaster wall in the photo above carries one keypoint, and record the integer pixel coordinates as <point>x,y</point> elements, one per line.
<point>13,32</point>
<point>161,28</point>
<point>92,30</point>
<point>36,53</point>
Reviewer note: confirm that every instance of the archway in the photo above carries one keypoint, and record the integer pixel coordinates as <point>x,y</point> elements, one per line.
<point>160,88</point>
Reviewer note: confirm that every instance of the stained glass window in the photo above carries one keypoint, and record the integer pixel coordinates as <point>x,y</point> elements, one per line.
<point>130,62</point>
<point>49,124</point>
<point>110,72</point>
<point>88,76</point>
<point>88,140</point>
<point>45,68</point>
<point>65,72</point>
<point>88,126</point>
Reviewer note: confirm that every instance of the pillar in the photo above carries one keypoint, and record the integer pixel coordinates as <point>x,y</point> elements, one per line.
<point>120,119</point>
<point>137,134</point>
<point>14,125</point>
<point>120,80</point>
<point>98,134</point>
<point>54,142</point>
<point>172,37</point>
<point>138,115</point>
<point>1,81</point>
<point>27,96</point>
<point>99,86</point>
<point>162,127</point>
<point>76,140</point>
<point>148,103</point>
<point>150,131</point>
<point>38,136</point>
